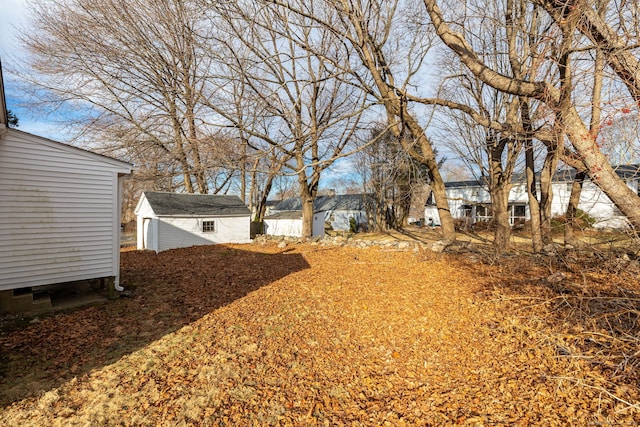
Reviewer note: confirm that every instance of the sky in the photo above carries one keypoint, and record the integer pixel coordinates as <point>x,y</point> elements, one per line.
<point>13,16</point>
<point>12,13</point>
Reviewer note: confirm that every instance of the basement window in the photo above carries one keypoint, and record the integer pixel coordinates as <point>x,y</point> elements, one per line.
<point>208,226</point>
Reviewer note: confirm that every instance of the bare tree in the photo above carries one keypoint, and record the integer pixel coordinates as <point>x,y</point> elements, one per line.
<point>137,68</point>
<point>387,40</point>
<point>296,101</point>
<point>558,98</point>
<point>391,177</point>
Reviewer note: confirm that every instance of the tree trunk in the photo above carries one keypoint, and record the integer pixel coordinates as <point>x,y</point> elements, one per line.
<point>307,217</point>
<point>572,208</point>
<point>546,194</point>
<point>308,191</point>
<point>534,207</point>
<point>500,206</point>
<point>428,158</point>
<point>261,208</point>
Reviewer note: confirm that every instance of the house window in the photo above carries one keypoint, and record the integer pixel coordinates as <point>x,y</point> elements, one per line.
<point>517,214</point>
<point>208,226</point>
<point>483,213</point>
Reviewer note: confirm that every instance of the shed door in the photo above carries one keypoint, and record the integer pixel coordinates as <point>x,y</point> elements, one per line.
<point>146,229</point>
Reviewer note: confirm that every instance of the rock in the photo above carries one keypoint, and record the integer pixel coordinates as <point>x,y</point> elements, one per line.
<point>550,249</point>
<point>403,245</point>
<point>282,244</point>
<point>440,245</point>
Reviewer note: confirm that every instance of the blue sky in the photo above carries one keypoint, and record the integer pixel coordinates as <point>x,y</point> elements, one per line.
<point>13,16</point>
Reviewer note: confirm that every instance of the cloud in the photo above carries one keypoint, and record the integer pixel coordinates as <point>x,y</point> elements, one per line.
<point>13,17</point>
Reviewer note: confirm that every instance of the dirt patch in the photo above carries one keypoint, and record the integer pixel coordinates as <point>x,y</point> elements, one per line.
<point>318,335</point>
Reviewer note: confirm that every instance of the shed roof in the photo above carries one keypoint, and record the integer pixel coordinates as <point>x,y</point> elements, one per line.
<point>352,202</point>
<point>285,215</point>
<point>179,204</point>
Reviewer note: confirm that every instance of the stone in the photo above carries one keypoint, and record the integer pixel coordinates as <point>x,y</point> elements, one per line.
<point>439,246</point>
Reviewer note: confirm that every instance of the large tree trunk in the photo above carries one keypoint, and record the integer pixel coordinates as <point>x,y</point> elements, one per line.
<point>261,208</point>
<point>308,191</point>
<point>307,217</point>
<point>500,206</point>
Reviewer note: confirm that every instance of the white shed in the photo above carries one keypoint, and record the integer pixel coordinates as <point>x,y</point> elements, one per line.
<point>60,209</point>
<point>287,223</point>
<point>173,220</point>
<point>331,211</point>
<point>338,210</point>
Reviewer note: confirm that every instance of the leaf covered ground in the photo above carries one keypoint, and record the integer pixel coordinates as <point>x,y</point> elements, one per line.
<point>260,335</point>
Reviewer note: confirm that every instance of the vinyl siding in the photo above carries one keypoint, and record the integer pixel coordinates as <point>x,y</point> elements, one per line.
<point>59,210</point>
<point>184,232</point>
<point>592,200</point>
<point>283,227</point>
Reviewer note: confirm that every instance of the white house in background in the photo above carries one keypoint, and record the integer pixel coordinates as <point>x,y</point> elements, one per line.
<point>329,212</point>
<point>471,199</point>
<point>172,220</point>
<point>60,209</point>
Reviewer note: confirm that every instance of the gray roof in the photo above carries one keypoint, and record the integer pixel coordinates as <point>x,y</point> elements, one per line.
<point>352,202</point>
<point>285,215</point>
<point>180,204</point>
<point>626,172</point>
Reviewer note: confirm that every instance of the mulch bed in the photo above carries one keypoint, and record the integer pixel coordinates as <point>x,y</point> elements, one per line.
<point>308,334</point>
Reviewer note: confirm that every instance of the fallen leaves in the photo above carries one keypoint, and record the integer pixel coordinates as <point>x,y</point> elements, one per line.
<point>249,335</point>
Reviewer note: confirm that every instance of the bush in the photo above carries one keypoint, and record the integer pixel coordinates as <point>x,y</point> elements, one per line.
<point>583,221</point>
<point>353,225</point>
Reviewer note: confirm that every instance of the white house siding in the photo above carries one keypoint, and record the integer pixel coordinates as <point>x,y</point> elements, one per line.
<point>283,227</point>
<point>176,232</point>
<point>318,224</point>
<point>339,219</point>
<point>592,201</point>
<point>59,208</point>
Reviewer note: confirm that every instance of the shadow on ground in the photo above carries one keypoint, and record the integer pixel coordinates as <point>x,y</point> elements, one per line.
<point>166,291</point>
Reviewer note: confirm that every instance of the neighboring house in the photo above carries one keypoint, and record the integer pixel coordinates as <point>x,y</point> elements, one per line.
<point>60,208</point>
<point>471,199</point>
<point>172,220</point>
<point>330,212</point>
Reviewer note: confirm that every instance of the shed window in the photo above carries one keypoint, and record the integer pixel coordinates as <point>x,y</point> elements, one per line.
<point>208,226</point>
